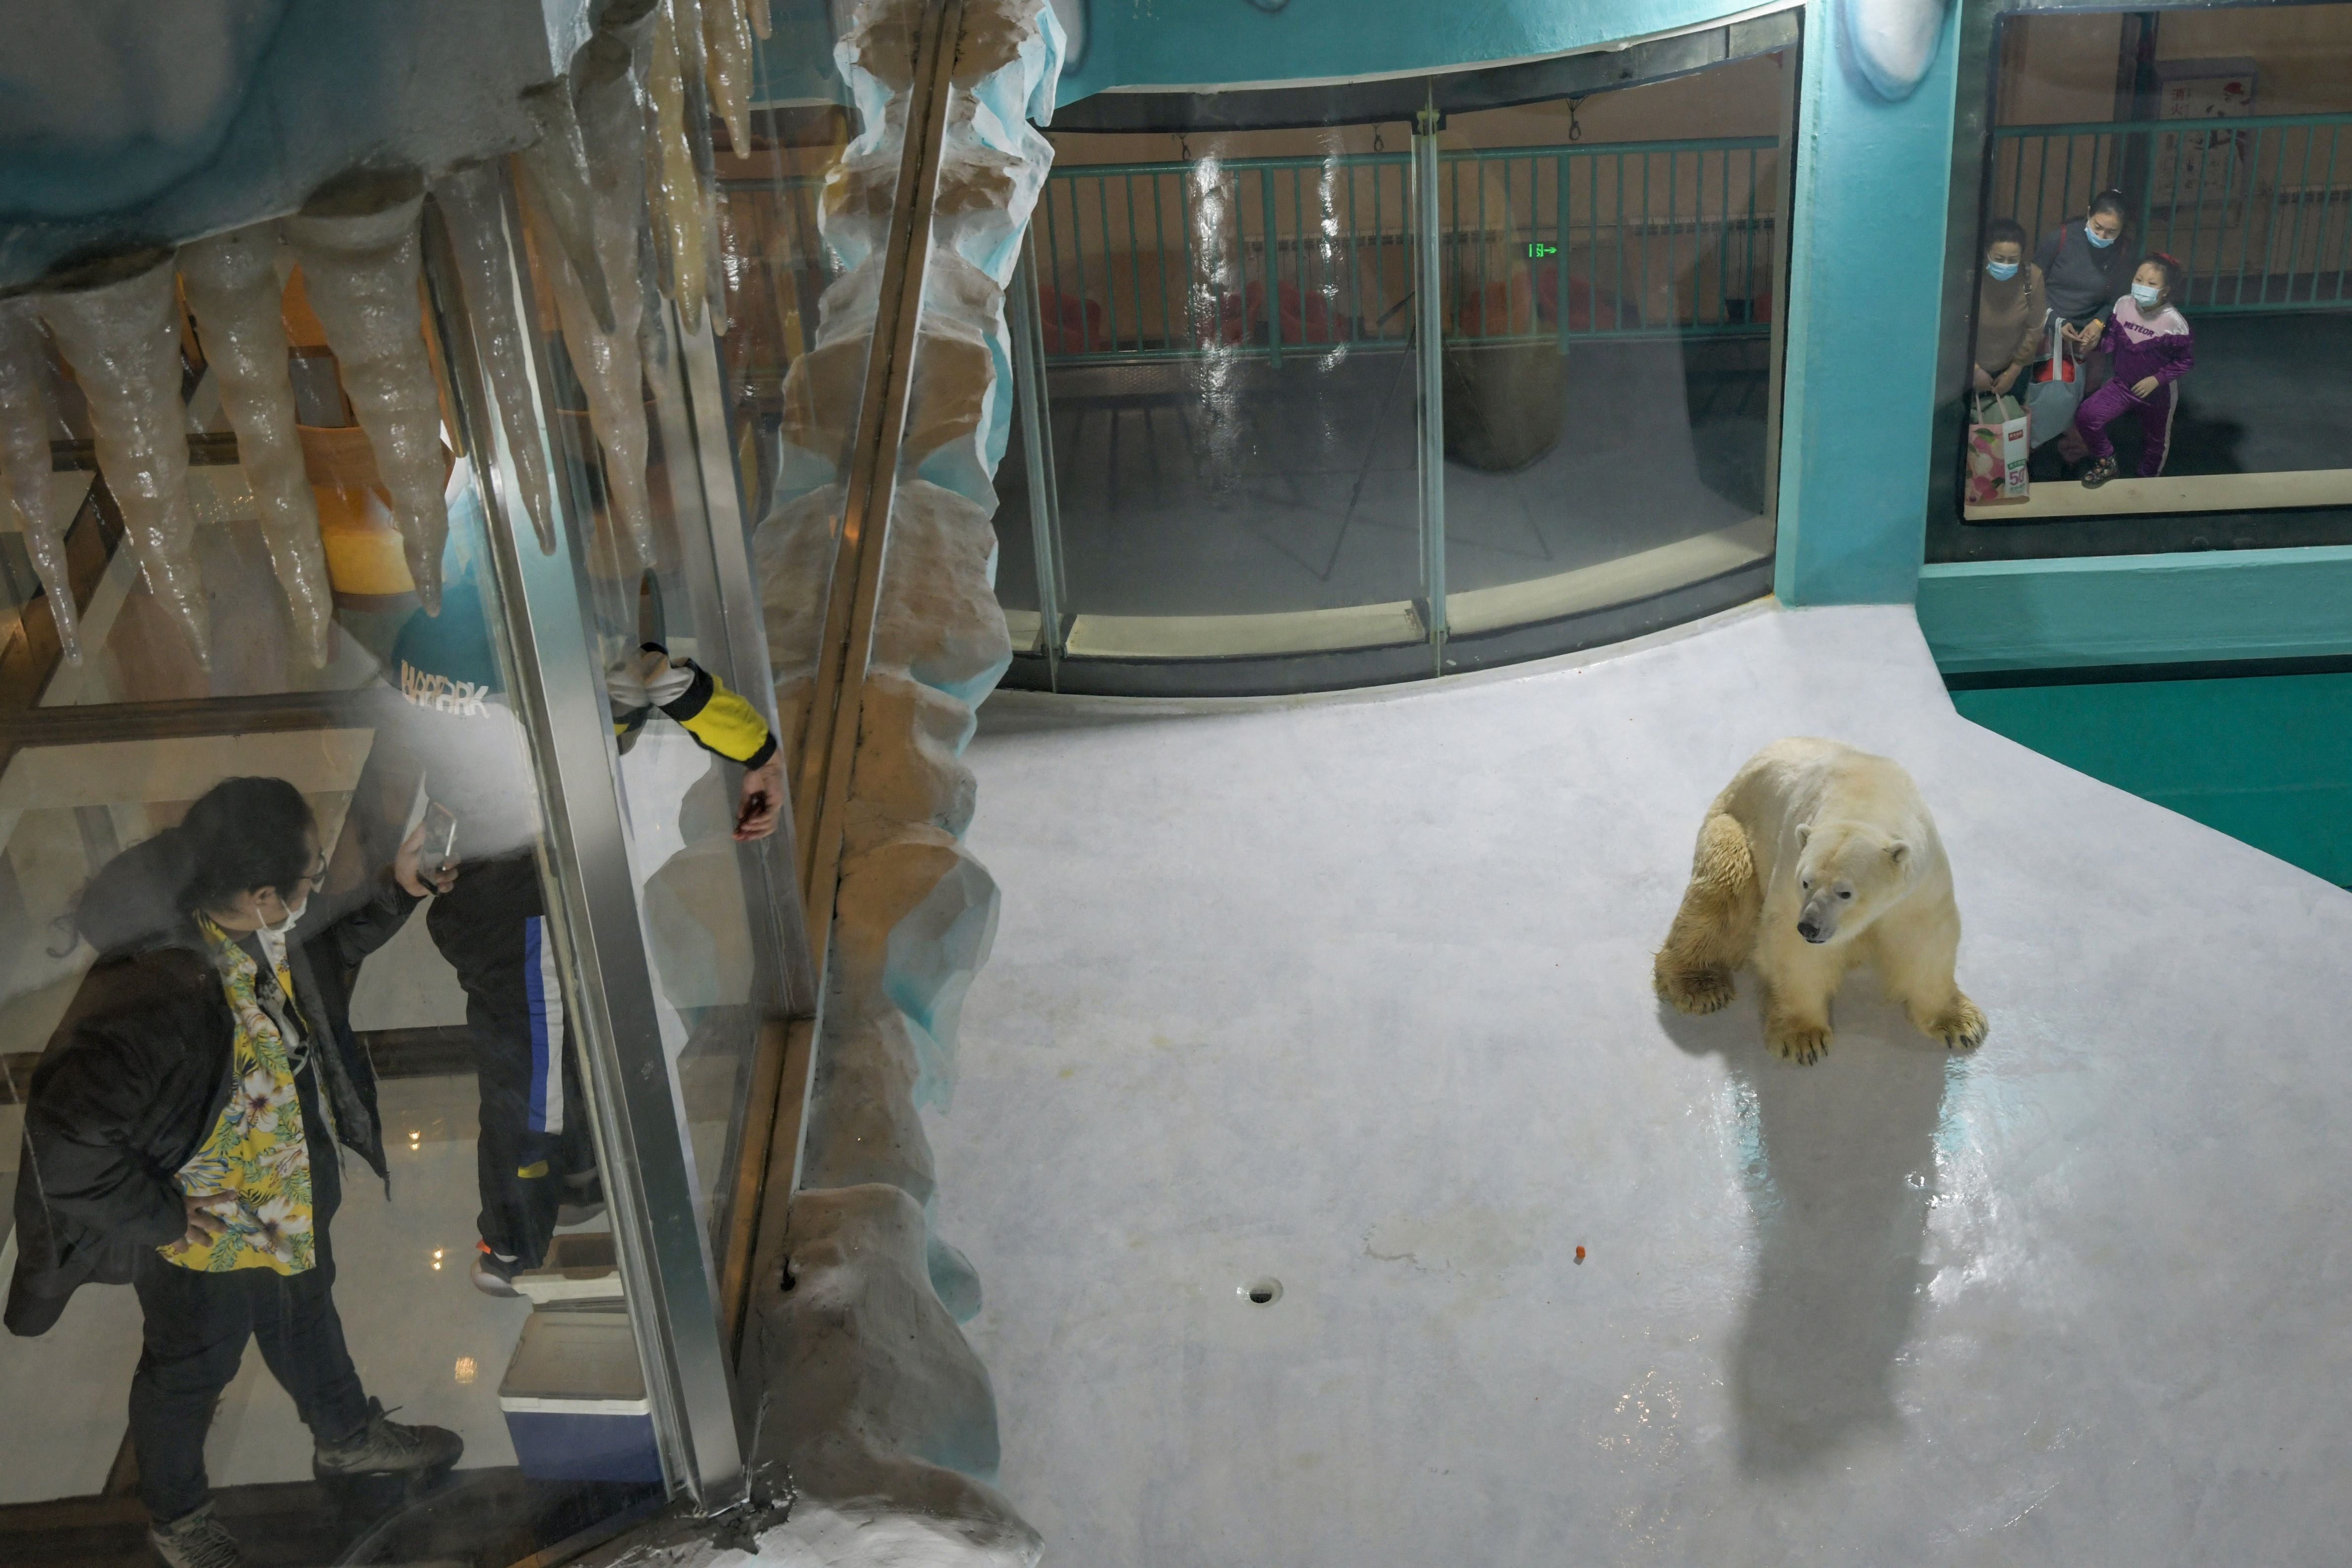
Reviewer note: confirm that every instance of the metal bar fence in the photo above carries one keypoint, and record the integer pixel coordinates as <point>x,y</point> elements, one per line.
<point>2257,208</point>
<point>1284,256</point>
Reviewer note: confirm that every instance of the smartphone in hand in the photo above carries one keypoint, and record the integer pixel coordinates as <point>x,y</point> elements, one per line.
<point>755,804</point>
<point>439,850</point>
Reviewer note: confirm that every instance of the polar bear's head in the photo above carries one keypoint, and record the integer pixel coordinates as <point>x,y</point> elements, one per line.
<point>1848,874</point>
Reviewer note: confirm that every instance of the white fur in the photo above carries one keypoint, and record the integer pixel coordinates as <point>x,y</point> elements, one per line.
<point>1815,832</point>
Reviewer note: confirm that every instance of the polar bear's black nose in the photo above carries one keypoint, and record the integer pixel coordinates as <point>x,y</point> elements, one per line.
<point>1808,931</point>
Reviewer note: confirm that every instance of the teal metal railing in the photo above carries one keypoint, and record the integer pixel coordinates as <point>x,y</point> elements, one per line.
<point>1264,255</point>
<point>2259,209</point>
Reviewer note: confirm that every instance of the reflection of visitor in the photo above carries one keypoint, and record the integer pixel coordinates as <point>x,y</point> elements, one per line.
<point>2152,348</point>
<point>535,1162</point>
<point>181,1135</point>
<point>2011,331</point>
<point>2083,266</point>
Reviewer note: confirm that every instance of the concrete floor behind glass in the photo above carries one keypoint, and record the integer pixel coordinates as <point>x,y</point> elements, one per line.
<point>1355,996</point>
<point>1227,484</point>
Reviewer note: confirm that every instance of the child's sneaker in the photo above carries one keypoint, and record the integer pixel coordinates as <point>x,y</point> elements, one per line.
<point>2098,472</point>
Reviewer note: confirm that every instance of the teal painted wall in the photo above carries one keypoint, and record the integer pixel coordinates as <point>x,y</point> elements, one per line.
<point>2267,759</point>
<point>1866,286</point>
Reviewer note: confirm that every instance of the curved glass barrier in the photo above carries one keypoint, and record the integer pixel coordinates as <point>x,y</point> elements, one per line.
<point>1364,401</point>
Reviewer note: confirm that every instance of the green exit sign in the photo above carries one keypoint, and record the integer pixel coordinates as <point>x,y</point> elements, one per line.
<point>1538,250</point>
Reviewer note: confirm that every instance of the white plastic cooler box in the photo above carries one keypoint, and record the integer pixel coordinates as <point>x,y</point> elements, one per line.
<point>575,1395</point>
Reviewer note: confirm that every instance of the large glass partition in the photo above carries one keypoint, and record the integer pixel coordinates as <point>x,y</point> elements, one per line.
<point>544,956</point>
<point>1383,397</point>
<point>1608,291</point>
<point>2208,263</point>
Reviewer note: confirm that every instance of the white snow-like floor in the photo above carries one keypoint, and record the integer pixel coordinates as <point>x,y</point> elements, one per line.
<point>1355,996</point>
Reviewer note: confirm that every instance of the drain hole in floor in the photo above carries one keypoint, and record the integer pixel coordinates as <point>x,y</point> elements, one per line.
<point>1262,1293</point>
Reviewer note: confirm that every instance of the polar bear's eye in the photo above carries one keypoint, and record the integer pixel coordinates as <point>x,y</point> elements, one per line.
<point>1805,883</point>
<point>1846,893</point>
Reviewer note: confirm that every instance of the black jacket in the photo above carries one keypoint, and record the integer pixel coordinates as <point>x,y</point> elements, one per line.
<point>136,1076</point>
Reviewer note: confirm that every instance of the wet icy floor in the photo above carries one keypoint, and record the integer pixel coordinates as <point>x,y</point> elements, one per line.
<point>1355,997</point>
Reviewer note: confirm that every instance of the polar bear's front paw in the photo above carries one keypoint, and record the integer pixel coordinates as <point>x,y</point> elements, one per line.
<point>1697,990</point>
<point>1803,1044</point>
<point>1962,1026</point>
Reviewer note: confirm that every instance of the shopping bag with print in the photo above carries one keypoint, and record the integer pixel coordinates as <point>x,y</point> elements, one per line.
<point>1999,445</point>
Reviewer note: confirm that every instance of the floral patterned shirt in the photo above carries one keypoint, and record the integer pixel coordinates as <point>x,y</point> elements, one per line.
<point>255,1153</point>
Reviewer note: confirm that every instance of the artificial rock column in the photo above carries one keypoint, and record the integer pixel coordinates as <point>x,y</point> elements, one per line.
<point>886,1416</point>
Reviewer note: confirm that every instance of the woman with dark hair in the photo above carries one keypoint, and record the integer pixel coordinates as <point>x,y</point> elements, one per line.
<point>2012,332</point>
<point>181,1135</point>
<point>2084,266</point>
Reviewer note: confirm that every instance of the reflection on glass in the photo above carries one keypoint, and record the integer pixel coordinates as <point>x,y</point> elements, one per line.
<point>1229,370</point>
<point>797,214</point>
<point>1608,296</point>
<point>2184,385</point>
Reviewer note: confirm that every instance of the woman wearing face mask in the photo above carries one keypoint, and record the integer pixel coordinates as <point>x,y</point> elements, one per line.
<point>2012,318</point>
<point>2085,265</point>
<point>181,1135</point>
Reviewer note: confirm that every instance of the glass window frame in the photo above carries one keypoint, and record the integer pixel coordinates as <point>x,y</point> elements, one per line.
<point>1950,538</point>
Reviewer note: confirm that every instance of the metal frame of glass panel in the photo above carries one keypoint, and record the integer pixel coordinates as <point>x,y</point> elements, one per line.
<point>591,892</point>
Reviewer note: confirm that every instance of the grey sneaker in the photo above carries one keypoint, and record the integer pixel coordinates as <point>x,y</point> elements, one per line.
<point>385,1447</point>
<point>197,1541</point>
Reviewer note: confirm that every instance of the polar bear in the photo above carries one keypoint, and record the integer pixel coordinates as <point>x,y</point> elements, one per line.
<point>1817,858</point>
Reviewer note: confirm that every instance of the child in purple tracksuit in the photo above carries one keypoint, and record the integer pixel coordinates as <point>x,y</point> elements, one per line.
<point>2152,350</point>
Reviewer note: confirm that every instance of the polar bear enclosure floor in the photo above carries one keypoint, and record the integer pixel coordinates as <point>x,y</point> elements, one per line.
<point>1354,996</point>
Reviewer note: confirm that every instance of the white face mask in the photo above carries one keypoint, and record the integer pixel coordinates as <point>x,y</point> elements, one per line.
<point>293,915</point>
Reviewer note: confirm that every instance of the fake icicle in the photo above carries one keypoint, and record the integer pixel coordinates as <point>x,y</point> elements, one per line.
<point>360,269</point>
<point>726,53</point>
<point>556,166</point>
<point>470,204</point>
<point>24,463</point>
<point>681,188</point>
<point>611,365</point>
<point>233,291</point>
<point>122,341</point>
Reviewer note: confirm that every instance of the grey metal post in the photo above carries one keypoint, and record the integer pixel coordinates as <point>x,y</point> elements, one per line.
<point>1429,401</point>
<point>590,900</point>
<point>1037,450</point>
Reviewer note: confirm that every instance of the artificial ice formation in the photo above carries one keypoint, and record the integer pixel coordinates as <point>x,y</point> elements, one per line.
<point>609,361</point>
<point>470,206</point>
<point>555,171</point>
<point>358,249</point>
<point>24,463</point>
<point>916,913</point>
<point>122,339</point>
<point>678,205</point>
<point>235,294</point>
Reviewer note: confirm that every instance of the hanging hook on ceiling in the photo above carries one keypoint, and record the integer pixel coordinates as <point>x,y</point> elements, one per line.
<point>1575,126</point>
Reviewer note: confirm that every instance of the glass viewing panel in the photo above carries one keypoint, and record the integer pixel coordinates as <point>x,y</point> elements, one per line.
<point>793,378</point>
<point>1227,332</point>
<point>2187,384</point>
<point>1607,297</point>
<point>1229,370</point>
<point>379,721</point>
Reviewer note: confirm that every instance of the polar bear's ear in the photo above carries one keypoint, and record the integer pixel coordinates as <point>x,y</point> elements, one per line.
<point>1896,851</point>
<point>1804,832</point>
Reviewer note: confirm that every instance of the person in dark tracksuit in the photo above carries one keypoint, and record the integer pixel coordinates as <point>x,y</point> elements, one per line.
<point>535,1156</point>
<point>182,1133</point>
